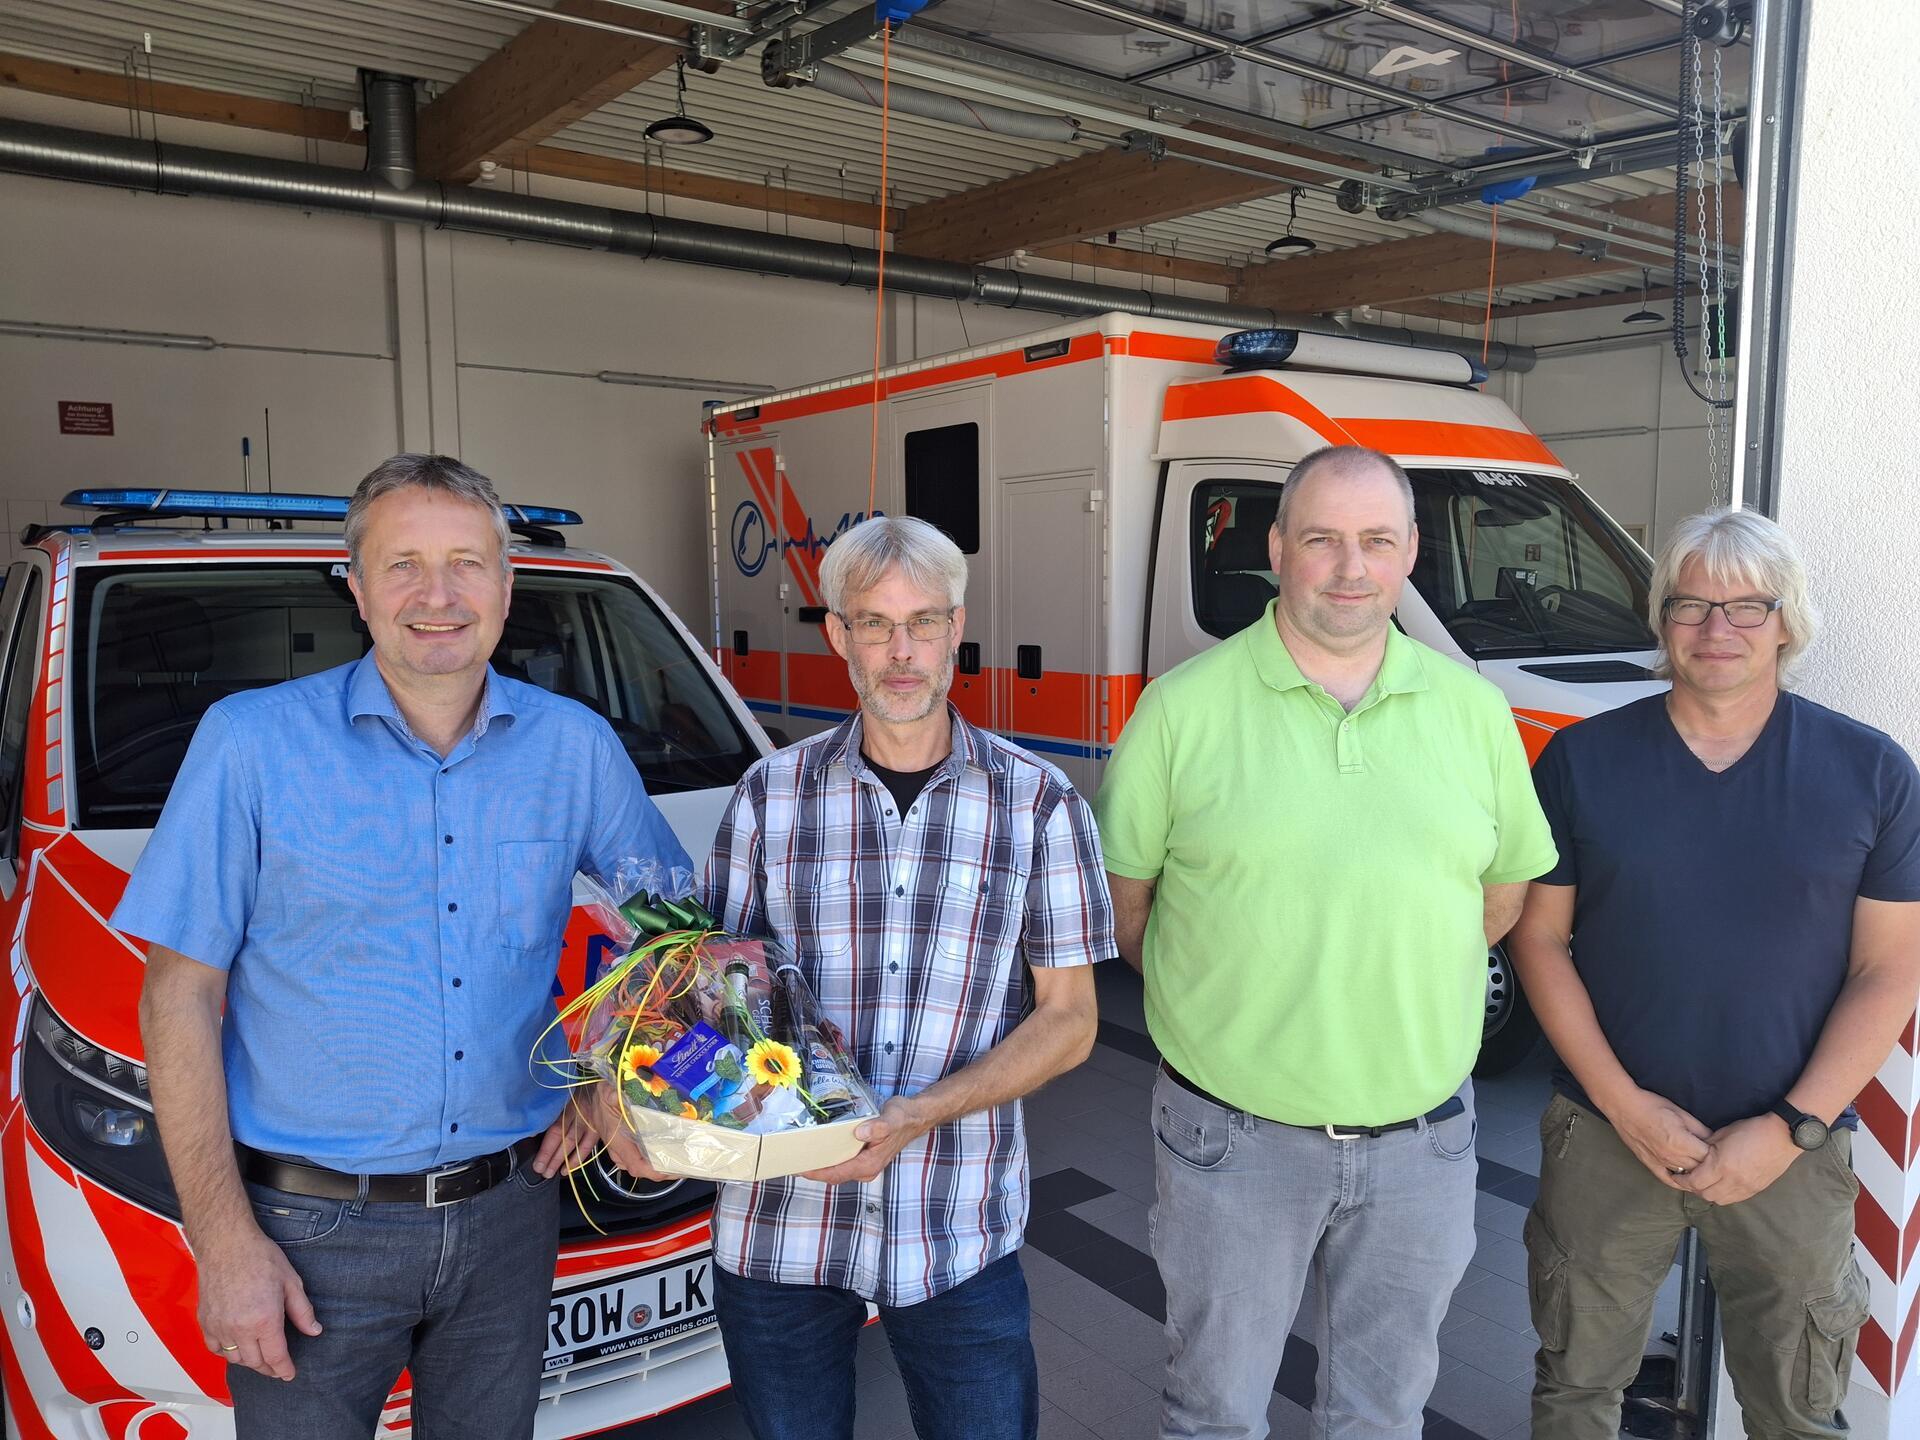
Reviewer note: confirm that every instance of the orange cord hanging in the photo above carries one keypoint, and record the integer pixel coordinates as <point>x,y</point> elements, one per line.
<point>880,279</point>
<point>1493,247</point>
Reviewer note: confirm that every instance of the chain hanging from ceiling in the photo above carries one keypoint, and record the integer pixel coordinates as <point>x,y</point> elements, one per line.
<point>1705,115</point>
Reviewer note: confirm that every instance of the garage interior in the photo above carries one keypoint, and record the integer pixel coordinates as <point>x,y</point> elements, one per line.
<point>251,323</point>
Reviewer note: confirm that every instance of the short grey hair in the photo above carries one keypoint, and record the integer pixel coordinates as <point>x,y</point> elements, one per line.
<point>1737,547</point>
<point>441,473</point>
<point>1341,457</point>
<point>861,558</point>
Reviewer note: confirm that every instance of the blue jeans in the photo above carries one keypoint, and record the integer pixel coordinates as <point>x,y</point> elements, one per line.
<point>1248,1208</point>
<point>966,1356</point>
<point>457,1293</point>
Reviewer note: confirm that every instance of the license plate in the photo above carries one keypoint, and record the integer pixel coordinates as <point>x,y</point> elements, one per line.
<point>639,1308</point>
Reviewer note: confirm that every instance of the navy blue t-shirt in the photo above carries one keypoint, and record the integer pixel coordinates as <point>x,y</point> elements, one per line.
<point>1714,914</point>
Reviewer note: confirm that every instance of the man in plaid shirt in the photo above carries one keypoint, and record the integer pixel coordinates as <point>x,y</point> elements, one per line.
<point>945,893</point>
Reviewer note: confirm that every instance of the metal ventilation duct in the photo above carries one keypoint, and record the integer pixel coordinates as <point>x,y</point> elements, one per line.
<point>55,153</point>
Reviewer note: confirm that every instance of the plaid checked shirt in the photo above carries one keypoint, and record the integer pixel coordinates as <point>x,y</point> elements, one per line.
<point>915,932</point>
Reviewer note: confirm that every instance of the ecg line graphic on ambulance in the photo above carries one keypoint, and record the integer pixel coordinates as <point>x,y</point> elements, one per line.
<point>751,538</point>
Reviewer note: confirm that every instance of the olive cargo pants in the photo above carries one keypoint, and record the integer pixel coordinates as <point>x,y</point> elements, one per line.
<point>1600,1240</point>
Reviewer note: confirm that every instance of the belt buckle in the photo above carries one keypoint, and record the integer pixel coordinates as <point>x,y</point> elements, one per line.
<point>1333,1134</point>
<point>434,1178</point>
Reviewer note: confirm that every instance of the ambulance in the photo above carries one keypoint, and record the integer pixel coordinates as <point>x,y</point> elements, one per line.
<point>116,635</point>
<point>1112,481</point>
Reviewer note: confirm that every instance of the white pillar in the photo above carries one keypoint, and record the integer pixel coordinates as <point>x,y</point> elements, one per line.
<point>1850,493</point>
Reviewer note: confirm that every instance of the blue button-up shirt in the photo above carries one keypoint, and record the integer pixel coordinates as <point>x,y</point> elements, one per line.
<point>391,920</point>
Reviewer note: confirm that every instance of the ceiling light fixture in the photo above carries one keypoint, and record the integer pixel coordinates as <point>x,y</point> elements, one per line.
<point>1290,243</point>
<point>1644,316</point>
<point>679,128</point>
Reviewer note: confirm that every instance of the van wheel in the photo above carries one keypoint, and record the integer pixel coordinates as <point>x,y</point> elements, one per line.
<point>1511,1032</point>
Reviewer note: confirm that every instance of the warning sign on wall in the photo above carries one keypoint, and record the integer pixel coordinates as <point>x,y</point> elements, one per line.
<point>86,417</point>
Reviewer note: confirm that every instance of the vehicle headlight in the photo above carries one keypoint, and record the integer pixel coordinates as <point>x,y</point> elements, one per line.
<point>93,1107</point>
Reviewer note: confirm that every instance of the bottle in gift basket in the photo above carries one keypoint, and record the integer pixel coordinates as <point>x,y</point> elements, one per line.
<point>736,1021</point>
<point>820,1065</point>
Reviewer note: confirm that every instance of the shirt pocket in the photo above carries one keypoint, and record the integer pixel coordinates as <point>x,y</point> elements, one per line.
<point>535,893</point>
<point>811,903</point>
<point>974,984</point>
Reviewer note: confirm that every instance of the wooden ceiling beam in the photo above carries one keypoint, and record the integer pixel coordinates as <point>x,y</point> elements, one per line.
<point>1429,265</point>
<point>1141,262</point>
<point>280,117</point>
<point>1064,203</point>
<point>541,81</point>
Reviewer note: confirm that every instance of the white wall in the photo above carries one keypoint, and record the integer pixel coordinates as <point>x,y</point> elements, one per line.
<point>362,339</point>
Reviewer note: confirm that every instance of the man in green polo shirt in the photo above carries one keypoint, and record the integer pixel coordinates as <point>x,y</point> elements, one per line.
<point>1312,832</point>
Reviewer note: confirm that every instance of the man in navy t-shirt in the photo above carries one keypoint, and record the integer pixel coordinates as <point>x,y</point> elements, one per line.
<point>1723,957</point>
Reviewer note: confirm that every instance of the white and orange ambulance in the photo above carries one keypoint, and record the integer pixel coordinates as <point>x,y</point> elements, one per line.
<point>1112,480</point>
<point>115,637</point>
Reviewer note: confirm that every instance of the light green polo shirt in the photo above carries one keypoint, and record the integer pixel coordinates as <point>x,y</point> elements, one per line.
<point>1315,952</point>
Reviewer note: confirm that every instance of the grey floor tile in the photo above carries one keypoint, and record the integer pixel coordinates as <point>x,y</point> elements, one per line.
<point>1094,1390</point>
<point>1499,1299</point>
<point>1493,1350</point>
<point>1121,1216</point>
<point>1502,1255</point>
<point>1520,1150</point>
<point>1054,1349</point>
<point>1056,1424</point>
<point>1478,1401</point>
<point>1140,1423</point>
<point>1040,1268</point>
<point>1135,1342</point>
<point>1079,1306</point>
<point>1503,1217</point>
<point>873,1355</point>
<point>1522,1431</point>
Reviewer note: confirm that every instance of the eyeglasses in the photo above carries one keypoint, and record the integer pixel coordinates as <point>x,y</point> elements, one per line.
<point>1741,614</point>
<point>873,630</point>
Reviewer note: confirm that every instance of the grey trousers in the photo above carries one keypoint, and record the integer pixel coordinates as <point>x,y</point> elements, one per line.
<point>1247,1208</point>
<point>1601,1238</point>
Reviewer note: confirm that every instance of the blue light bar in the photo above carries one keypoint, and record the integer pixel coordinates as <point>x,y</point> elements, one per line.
<point>1255,349</point>
<point>167,504</point>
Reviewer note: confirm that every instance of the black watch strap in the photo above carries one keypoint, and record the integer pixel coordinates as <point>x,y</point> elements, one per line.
<point>1809,1131</point>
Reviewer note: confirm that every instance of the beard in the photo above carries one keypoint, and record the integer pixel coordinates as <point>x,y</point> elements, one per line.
<point>903,708</point>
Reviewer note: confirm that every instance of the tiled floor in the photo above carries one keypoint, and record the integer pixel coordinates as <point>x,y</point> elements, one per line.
<point>1097,1300</point>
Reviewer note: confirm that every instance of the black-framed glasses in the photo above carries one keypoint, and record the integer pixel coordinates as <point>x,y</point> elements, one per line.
<point>1741,614</point>
<point>878,630</point>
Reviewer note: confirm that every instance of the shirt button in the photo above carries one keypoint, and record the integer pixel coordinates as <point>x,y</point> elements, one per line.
<point>455,1127</point>
<point>448,770</point>
<point>899,889</point>
<point>456,982</point>
<point>447,838</point>
<point>888,1047</point>
<point>893,966</point>
<point>459,1054</point>
<point>873,1207</point>
<point>452,906</point>
<point>889,812</point>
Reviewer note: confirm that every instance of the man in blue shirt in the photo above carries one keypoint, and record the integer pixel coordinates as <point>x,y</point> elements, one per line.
<point>1723,957</point>
<point>371,868</point>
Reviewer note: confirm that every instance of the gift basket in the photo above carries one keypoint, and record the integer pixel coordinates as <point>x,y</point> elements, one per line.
<point>710,1047</point>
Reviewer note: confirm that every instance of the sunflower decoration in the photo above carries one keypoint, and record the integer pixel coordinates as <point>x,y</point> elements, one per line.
<point>637,1057</point>
<point>771,1063</point>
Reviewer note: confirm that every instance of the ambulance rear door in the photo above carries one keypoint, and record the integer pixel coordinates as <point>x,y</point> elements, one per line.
<point>749,575</point>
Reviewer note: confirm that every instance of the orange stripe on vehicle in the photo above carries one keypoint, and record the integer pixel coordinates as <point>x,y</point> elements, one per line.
<point>1144,345</point>
<point>1120,693</point>
<point>158,1266</point>
<point>1250,395</point>
<point>212,553</point>
<point>1537,727</point>
<point>543,562</point>
<point>756,675</point>
<point>1058,704</point>
<point>1450,439</point>
<point>664,1244</point>
<point>78,1367</point>
<point>972,696</point>
<point>821,681</point>
<point>860,392</point>
<point>100,998</point>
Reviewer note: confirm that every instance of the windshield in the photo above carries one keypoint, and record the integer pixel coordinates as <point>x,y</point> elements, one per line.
<point>1519,564</point>
<point>153,648</point>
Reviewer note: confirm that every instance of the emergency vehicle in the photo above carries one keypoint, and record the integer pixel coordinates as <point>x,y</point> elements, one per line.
<point>1112,481</point>
<point>115,637</point>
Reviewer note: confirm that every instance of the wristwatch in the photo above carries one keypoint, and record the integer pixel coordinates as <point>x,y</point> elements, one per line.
<point>1809,1132</point>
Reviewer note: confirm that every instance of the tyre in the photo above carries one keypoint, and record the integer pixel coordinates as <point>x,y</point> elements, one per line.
<point>1511,1033</point>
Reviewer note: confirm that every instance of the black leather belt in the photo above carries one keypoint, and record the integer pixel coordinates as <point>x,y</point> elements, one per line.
<point>1448,1108</point>
<point>429,1187</point>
